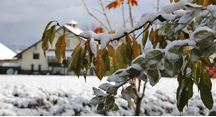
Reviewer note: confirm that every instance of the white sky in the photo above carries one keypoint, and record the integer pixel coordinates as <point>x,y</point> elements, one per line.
<point>22,21</point>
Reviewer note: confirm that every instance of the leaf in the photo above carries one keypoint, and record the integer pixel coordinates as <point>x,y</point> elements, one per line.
<point>145,38</point>
<point>97,100</point>
<point>112,5</point>
<point>98,92</point>
<point>136,48</point>
<point>109,103</point>
<point>153,58</point>
<point>129,48</point>
<point>105,86</point>
<point>129,93</point>
<point>118,62</point>
<point>183,95</point>
<point>152,37</point>
<point>89,52</point>
<point>204,37</point>
<point>174,53</point>
<point>206,95</point>
<point>111,50</point>
<point>205,78</point>
<point>154,76</point>
<point>178,65</point>
<point>115,107</point>
<point>99,30</point>
<point>213,2</point>
<point>168,66</point>
<point>102,63</point>
<point>205,61</point>
<point>76,60</point>
<point>60,49</point>
<point>48,35</point>
<point>100,107</point>
<point>195,54</point>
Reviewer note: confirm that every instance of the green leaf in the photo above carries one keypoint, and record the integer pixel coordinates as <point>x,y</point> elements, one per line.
<point>182,97</point>
<point>206,95</point>
<point>138,60</point>
<point>76,60</point>
<point>196,72</point>
<point>109,103</point>
<point>214,62</point>
<point>52,34</point>
<point>112,89</point>
<point>97,100</point>
<point>168,66</point>
<point>100,107</point>
<point>115,107</point>
<point>195,54</point>
<point>141,75</point>
<point>145,38</point>
<point>205,78</point>
<point>98,92</point>
<point>105,86</point>
<point>174,53</point>
<point>129,93</point>
<point>153,58</point>
<point>204,37</point>
<point>154,76</point>
<point>178,65</point>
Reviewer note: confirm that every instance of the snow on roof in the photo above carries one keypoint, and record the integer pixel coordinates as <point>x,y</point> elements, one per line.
<point>6,53</point>
<point>52,53</point>
<point>76,31</point>
<point>72,22</point>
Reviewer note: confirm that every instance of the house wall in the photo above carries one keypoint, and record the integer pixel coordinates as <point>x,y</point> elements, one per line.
<point>27,58</point>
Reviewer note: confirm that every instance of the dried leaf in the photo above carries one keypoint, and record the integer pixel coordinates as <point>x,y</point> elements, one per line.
<point>99,30</point>
<point>60,48</point>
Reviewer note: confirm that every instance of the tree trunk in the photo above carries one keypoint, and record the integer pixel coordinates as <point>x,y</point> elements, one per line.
<point>138,105</point>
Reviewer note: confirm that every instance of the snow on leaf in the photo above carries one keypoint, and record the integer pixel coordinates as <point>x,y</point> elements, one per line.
<point>129,93</point>
<point>109,103</point>
<point>212,10</point>
<point>105,86</point>
<point>153,58</point>
<point>97,100</point>
<point>98,92</point>
<point>93,47</point>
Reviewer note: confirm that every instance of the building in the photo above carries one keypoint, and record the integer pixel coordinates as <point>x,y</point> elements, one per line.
<point>8,63</point>
<point>33,60</point>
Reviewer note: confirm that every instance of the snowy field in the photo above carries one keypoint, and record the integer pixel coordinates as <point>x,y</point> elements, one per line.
<point>67,95</point>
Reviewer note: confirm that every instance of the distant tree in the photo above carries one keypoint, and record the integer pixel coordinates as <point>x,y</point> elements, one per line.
<point>183,42</point>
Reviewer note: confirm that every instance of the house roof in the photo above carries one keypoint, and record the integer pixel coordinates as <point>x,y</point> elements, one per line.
<point>6,53</point>
<point>75,31</point>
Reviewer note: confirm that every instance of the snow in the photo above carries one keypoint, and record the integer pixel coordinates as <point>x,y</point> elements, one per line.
<point>74,30</point>
<point>6,53</point>
<point>28,95</point>
<point>93,47</point>
<point>212,9</point>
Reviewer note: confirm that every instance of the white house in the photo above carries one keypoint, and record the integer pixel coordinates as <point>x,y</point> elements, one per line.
<point>34,61</point>
<point>8,61</point>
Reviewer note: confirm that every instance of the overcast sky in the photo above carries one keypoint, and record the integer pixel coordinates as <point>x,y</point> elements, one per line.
<point>22,21</point>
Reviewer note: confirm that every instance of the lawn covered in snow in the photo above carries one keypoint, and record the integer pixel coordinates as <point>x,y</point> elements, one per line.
<point>67,95</point>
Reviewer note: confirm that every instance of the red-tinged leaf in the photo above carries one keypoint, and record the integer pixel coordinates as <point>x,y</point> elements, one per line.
<point>60,49</point>
<point>101,63</point>
<point>99,30</point>
<point>118,3</point>
<point>112,5</point>
<point>136,48</point>
<point>152,37</point>
<point>111,32</point>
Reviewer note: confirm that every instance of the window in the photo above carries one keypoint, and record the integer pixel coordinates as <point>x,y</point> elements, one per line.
<point>35,56</point>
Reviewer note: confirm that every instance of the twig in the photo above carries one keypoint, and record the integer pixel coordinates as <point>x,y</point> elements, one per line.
<point>94,16</point>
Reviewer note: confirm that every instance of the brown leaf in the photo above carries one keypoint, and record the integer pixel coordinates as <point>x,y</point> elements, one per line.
<point>60,48</point>
<point>152,36</point>
<point>136,48</point>
<point>99,30</point>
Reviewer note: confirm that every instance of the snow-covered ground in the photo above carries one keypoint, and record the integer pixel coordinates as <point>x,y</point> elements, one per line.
<point>67,95</point>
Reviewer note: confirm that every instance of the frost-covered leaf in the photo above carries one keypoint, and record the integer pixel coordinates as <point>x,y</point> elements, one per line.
<point>209,50</point>
<point>163,17</point>
<point>203,37</point>
<point>212,9</point>
<point>153,58</point>
<point>129,93</point>
<point>115,107</point>
<point>206,95</point>
<point>174,53</point>
<point>109,103</point>
<point>167,30</point>
<point>168,66</point>
<point>194,55</point>
<point>105,86</point>
<point>154,76</point>
<point>119,76</point>
<point>97,100</point>
<point>141,75</point>
<point>112,89</point>
<point>98,92</point>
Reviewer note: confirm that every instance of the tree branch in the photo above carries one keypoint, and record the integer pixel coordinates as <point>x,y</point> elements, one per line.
<point>94,16</point>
